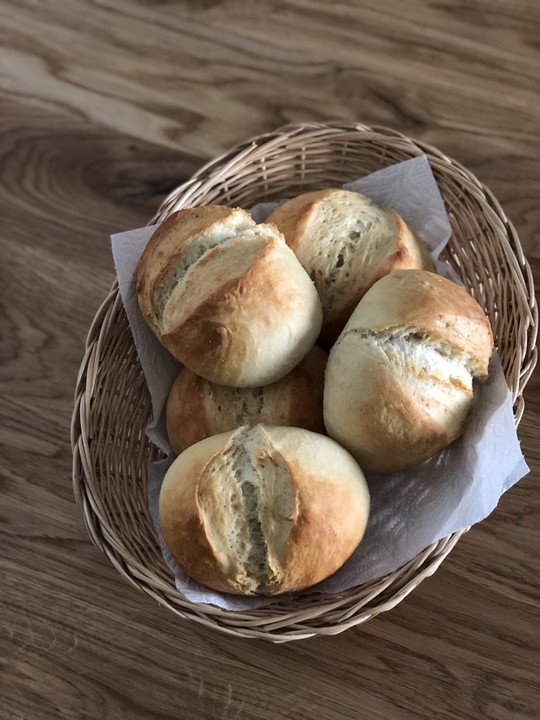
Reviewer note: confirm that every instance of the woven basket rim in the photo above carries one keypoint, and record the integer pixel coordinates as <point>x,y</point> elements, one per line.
<point>268,623</point>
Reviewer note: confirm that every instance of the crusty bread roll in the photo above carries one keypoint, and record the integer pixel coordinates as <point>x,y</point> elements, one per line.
<point>227,297</point>
<point>198,408</point>
<point>399,380</point>
<point>263,510</point>
<point>346,243</point>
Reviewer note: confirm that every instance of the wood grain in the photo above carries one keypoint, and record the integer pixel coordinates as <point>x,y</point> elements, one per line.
<point>106,106</point>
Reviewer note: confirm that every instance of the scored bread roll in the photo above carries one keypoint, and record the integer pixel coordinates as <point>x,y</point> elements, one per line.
<point>399,380</point>
<point>346,243</point>
<point>198,408</point>
<point>263,510</point>
<point>227,297</point>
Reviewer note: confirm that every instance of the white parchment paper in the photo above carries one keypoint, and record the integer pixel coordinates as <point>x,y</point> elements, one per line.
<point>410,509</point>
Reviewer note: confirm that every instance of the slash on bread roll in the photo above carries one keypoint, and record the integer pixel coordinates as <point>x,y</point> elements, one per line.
<point>227,297</point>
<point>346,243</point>
<point>198,408</point>
<point>263,510</point>
<point>399,380</point>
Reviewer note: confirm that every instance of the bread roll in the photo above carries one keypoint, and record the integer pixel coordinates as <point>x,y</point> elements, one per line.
<point>399,380</point>
<point>346,243</point>
<point>263,510</point>
<point>227,297</point>
<point>197,408</point>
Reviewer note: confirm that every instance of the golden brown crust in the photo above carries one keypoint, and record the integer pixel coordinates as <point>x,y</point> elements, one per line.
<point>182,525</point>
<point>187,419</point>
<point>198,408</point>
<point>433,305</point>
<point>398,384</point>
<point>305,404</point>
<point>312,506</point>
<point>203,339</point>
<point>411,252</point>
<point>394,427</point>
<point>165,246</point>
<point>227,297</point>
<point>221,336</point>
<point>325,517</point>
<point>292,217</point>
<point>346,243</point>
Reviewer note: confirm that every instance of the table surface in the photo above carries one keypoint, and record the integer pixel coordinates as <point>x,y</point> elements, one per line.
<point>106,106</point>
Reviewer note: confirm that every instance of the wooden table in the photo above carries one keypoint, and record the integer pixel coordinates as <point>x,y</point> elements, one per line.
<point>106,105</point>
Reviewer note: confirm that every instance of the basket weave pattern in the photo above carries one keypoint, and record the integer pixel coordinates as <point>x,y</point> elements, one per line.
<point>112,405</point>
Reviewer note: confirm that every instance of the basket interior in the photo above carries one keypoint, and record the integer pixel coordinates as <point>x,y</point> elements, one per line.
<point>116,453</point>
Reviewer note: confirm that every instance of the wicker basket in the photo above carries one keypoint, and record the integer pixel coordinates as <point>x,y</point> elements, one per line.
<point>112,406</point>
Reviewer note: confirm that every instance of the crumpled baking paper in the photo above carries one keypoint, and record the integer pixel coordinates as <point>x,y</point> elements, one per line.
<point>410,509</point>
